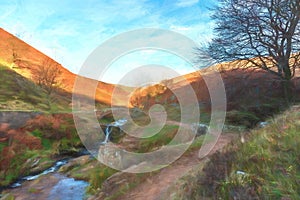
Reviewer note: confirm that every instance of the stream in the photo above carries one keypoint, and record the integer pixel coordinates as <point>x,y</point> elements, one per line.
<point>52,169</point>
<point>108,129</point>
<point>49,184</point>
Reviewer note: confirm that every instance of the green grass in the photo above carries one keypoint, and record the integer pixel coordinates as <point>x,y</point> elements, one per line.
<point>267,166</point>
<point>97,176</point>
<point>19,93</point>
<point>62,139</point>
<point>2,145</point>
<point>164,137</point>
<point>46,143</point>
<point>19,165</point>
<point>94,172</point>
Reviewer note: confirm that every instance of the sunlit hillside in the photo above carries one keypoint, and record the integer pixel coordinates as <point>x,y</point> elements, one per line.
<point>27,61</point>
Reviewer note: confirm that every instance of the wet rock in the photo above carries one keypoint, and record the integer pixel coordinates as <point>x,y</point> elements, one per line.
<point>262,124</point>
<point>82,160</point>
<point>115,135</point>
<point>35,165</point>
<point>41,166</point>
<point>200,129</point>
<point>111,155</point>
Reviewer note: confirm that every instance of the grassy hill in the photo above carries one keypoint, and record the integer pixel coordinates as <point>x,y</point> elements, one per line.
<point>266,166</point>
<point>19,93</point>
<point>27,61</point>
<point>251,95</point>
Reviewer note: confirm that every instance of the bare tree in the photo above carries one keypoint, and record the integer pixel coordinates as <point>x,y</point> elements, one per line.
<point>47,75</point>
<point>264,33</point>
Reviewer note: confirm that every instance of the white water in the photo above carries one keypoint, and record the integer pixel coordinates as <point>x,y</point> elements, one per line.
<point>108,129</point>
<point>68,189</point>
<point>52,169</point>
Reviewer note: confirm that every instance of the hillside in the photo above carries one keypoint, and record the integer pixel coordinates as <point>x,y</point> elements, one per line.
<point>250,93</point>
<point>27,61</point>
<point>265,166</point>
<point>45,139</point>
<point>20,93</point>
<point>258,84</point>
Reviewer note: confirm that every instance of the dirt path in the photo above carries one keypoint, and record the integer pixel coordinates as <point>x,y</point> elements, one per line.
<point>156,186</point>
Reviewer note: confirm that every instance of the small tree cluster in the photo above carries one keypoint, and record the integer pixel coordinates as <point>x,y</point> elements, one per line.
<point>47,75</point>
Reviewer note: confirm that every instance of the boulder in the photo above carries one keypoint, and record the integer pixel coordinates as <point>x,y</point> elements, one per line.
<point>200,129</point>
<point>82,160</point>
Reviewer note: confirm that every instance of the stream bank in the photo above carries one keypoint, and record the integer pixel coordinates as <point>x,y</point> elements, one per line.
<point>50,183</point>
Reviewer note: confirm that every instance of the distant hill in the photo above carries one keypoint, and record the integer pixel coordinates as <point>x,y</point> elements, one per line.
<point>246,89</point>
<point>26,61</point>
<point>243,87</point>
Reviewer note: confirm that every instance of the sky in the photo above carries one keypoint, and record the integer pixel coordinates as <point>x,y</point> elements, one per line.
<point>70,30</point>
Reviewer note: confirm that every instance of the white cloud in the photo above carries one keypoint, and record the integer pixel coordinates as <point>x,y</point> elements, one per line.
<point>186,3</point>
<point>69,31</point>
<point>179,28</point>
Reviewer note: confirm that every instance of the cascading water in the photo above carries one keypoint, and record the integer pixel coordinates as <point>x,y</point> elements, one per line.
<point>64,188</point>
<point>108,129</point>
<point>52,169</point>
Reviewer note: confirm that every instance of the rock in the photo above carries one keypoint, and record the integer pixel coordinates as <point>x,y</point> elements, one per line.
<point>41,166</point>
<point>32,162</point>
<point>111,155</point>
<point>115,135</point>
<point>200,129</point>
<point>82,160</point>
<point>262,124</point>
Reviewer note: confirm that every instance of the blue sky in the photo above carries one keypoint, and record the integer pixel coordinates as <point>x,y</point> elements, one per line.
<point>69,30</point>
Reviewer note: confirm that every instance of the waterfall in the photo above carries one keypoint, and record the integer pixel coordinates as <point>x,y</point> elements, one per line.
<point>108,129</point>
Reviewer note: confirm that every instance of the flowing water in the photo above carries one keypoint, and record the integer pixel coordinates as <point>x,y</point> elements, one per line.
<point>68,189</point>
<point>52,169</point>
<point>51,184</point>
<point>54,185</point>
<point>108,129</point>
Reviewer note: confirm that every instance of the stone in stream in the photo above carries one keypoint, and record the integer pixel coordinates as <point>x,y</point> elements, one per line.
<point>82,160</point>
<point>200,129</point>
<point>112,131</point>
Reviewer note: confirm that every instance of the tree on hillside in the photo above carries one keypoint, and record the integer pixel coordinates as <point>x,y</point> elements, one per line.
<point>47,75</point>
<point>264,33</point>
